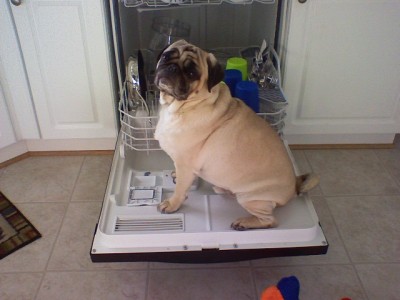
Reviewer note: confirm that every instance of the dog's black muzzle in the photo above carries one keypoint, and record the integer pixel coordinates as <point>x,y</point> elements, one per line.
<point>170,79</point>
<point>173,76</point>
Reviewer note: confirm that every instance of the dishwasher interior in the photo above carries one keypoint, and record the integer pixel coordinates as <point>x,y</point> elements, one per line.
<point>130,228</point>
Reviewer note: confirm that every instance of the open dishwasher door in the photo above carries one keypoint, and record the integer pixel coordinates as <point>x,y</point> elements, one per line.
<point>131,229</point>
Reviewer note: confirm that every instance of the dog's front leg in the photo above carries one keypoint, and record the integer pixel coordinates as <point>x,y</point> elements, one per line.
<point>184,179</point>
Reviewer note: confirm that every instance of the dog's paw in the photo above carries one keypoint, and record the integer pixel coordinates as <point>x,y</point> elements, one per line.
<point>253,222</point>
<point>167,207</point>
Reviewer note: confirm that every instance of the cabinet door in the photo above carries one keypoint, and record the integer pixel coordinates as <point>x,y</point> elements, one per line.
<point>64,45</point>
<point>342,71</point>
<point>7,136</point>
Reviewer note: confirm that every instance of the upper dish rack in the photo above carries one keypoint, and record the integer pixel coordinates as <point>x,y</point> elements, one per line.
<point>139,121</point>
<point>158,3</point>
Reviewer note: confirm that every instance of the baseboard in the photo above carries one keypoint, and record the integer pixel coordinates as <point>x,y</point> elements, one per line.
<point>8,153</point>
<point>71,144</point>
<point>339,146</point>
<point>340,140</point>
<point>25,148</point>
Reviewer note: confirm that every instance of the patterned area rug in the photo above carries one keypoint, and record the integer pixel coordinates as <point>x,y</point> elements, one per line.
<point>15,230</point>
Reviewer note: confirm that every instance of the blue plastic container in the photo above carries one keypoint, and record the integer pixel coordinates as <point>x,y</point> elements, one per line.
<point>231,78</point>
<point>248,92</point>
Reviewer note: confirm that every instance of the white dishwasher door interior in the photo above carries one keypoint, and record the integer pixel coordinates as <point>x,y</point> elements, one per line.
<point>130,227</point>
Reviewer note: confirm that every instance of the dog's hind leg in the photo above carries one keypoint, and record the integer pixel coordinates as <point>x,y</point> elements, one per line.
<point>222,191</point>
<point>261,215</point>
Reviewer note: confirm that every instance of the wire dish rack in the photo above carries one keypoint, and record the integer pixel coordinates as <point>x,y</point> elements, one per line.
<point>139,121</point>
<point>158,3</point>
<point>138,125</point>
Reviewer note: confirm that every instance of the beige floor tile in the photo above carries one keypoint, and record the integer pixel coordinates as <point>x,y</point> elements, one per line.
<point>330,282</point>
<point>235,283</point>
<point>92,180</point>
<point>41,179</point>
<point>21,286</point>
<point>369,226</point>
<point>351,172</point>
<point>336,251</point>
<point>46,217</point>
<point>391,161</point>
<point>361,229</point>
<point>72,248</point>
<point>381,281</point>
<point>94,285</point>
<point>301,161</point>
<point>162,265</point>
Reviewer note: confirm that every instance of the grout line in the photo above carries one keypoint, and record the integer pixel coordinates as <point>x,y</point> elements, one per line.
<point>338,231</point>
<point>100,270</point>
<point>300,265</point>
<point>40,284</point>
<point>340,146</point>
<point>360,281</point>
<point>208,266</point>
<point>146,295</point>
<point>352,263</point>
<point>326,264</point>
<point>60,227</point>
<point>361,195</point>
<point>253,279</point>
<point>382,163</point>
<point>145,269</point>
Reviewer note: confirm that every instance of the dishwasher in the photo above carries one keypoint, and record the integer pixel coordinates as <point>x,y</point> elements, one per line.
<point>130,228</point>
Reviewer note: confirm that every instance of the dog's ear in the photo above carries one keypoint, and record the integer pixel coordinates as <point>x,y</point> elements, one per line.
<point>215,72</point>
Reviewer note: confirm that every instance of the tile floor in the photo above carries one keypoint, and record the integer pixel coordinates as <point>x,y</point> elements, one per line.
<point>358,202</point>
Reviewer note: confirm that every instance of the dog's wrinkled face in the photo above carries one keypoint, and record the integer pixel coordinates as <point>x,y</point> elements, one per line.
<point>184,70</point>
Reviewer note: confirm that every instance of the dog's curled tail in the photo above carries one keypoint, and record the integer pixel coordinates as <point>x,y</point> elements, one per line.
<point>306,182</point>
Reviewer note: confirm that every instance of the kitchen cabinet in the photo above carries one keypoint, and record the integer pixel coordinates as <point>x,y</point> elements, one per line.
<point>17,116</point>
<point>342,71</point>
<point>10,144</point>
<point>7,136</point>
<point>65,49</point>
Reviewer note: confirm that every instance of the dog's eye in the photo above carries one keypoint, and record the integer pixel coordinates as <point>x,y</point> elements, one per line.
<point>166,56</point>
<point>191,71</point>
<point>191,74</point>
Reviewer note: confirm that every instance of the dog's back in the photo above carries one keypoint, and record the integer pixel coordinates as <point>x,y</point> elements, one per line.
<point>246,156</point>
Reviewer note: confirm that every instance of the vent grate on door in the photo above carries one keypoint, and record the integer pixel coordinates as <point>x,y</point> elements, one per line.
<point>150,223</point>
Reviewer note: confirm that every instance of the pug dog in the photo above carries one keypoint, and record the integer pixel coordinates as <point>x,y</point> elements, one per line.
<point>209,134</point>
